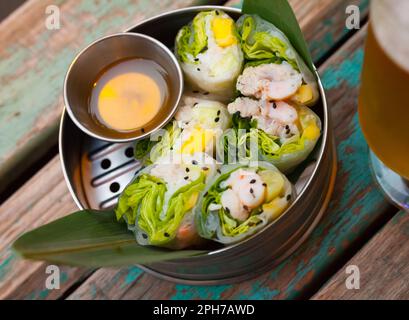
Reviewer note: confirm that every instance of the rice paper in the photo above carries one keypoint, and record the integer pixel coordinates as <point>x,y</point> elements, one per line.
<point>247,141</point>
<point>196,127</point>
<point>228,213</point>
<point>264,43</point>
<point>209,53</point>
<point>158,204</point>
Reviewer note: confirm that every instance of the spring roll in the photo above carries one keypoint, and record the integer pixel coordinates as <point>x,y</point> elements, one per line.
<point>209,52</point>
<point>158,204</point>
<point>241,200</point>
<point>274,70</point>
<point>197,126</point>
<point>281,133</point>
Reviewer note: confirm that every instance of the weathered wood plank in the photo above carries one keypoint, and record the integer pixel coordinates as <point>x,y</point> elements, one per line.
<point>32,206</point>
<point>33,61</point>
<point>383,266</point>
<point>356,206</point>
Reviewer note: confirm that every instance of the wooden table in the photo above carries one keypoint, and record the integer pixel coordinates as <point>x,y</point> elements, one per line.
<point>359,228</point>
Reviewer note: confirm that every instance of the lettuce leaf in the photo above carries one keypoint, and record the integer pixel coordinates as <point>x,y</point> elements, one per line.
<point>142,204</point>
<point>192,39</point>
<point>146,193</point>
<point>262,45</point>
<point>150,149</point>
<point>235,144</point>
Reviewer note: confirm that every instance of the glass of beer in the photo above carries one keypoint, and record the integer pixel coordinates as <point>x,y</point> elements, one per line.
<point>384,97</point>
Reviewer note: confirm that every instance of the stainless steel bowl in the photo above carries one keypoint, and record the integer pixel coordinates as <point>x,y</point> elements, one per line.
<point>96,172</point>
<point>95,58</point>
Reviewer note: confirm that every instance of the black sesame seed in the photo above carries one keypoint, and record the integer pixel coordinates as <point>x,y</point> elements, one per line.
<point>264,184</point>
<point>144,236</point>
<point>194,162</point>
<point>166,235</point>
<point>196,59</point>
<point>218,112</point>
<point>217,119</point>
<point>206,93</point>
<point>198,69</point>
<point>143,130</point>
<point>287,127</point>
<point>195,91</point>
<point>218,171</point>
<point>288,131</point>
<point>217,13</point>
<point>289,197</point>
<point>186,178</point>
<point>274,105</point>
<point>246,208</point>
<point>251,190</point>
<point>171,148</point>
<point>205,168</point>
<point>253,181</point>
<point>204,49</point>
<point>196,103</point>
<point>187,169</point>
<point>227,209</point>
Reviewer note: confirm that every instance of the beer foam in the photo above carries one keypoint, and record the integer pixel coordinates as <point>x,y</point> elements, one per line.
<point>390,22</point>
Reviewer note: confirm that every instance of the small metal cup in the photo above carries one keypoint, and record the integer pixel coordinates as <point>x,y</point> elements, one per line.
<point>95,58</point>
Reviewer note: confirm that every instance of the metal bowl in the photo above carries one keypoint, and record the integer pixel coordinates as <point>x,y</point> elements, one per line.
<point>96,172</point>
<point>95,58</point>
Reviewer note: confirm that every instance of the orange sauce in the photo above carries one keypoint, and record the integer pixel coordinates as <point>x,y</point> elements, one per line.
<point>128,94</point>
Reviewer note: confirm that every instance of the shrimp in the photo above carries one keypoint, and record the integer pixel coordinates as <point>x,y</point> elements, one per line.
<point>246,192</point>
<point>246,106</point>
<point>278,119</point>
<point>270,81</point>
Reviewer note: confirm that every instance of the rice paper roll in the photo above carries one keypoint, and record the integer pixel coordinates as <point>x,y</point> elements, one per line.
<point>196,127</point>
<point>281,133</point>
<point>209,53</point>
<point>158,204</point>
<point>241,200</point>
<point>263,43</point>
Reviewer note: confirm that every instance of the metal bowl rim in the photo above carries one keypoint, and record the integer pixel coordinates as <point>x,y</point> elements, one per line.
<point>156,42</point>
<point>323,139</point>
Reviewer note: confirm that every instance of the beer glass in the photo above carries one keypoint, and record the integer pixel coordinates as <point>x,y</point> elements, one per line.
<point>384,97</point>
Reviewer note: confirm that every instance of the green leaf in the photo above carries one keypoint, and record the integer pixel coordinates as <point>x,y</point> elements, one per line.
<point>92,239</point>
<point>279,13</point>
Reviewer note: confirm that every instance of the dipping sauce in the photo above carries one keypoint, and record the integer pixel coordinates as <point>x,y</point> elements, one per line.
<point>129,94</point>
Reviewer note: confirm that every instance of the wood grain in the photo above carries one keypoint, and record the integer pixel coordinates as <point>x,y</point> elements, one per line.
<point>383,266</point>
<point>356,206</point>
<point>42,199</point>
<point>33,61</point>
<point>289,280</point>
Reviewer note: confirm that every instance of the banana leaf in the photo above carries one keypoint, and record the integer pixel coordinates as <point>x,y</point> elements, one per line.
<point>92,239</point>
<point>279,13</point>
